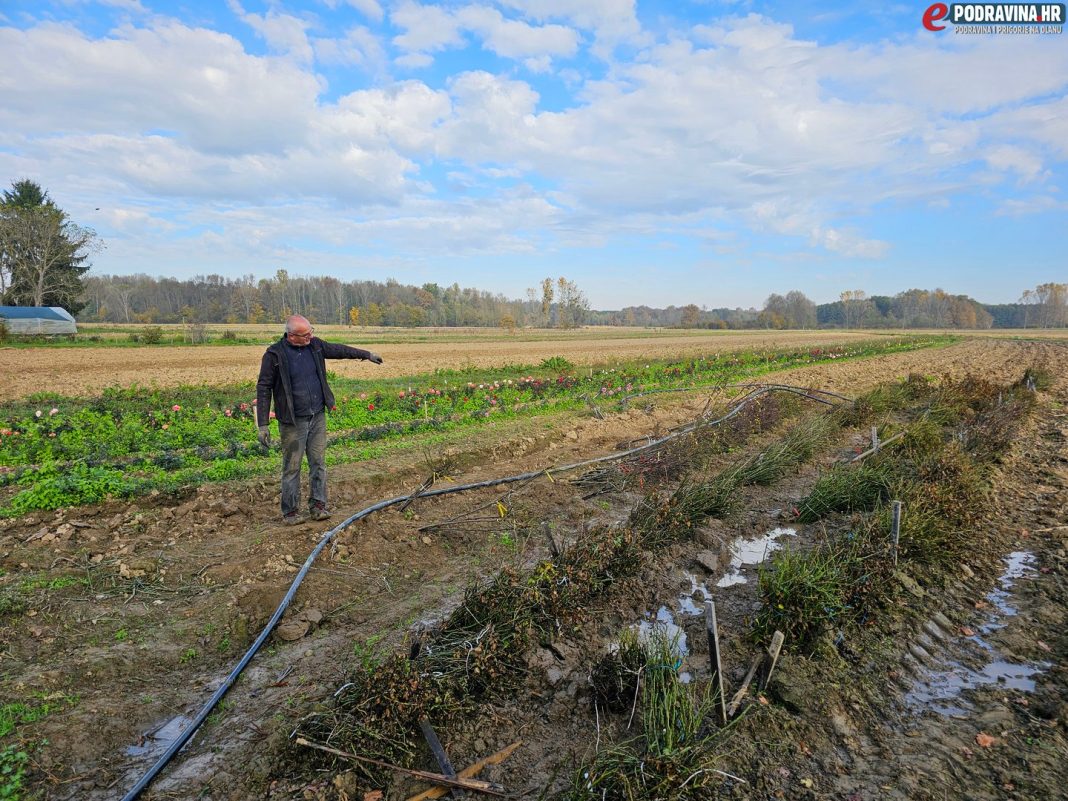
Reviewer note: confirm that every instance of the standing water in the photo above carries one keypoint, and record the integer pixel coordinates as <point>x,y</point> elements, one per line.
<point>751,552</point>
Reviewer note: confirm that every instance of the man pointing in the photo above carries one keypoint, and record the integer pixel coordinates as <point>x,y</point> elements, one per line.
<point>293,372</point>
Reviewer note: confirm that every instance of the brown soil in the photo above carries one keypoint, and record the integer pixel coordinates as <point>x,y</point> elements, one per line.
<point>86,371</point>
<point>180,587</point>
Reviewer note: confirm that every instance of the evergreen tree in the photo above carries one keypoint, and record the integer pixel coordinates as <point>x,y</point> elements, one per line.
<point>43,254</point>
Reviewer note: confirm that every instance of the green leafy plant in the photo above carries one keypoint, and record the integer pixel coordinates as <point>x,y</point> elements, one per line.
<point>12,769</point>
<point>152,335</point>
<point>558,363</point>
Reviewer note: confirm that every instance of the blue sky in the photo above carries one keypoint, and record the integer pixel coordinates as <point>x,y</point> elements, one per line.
<point>655,153</point>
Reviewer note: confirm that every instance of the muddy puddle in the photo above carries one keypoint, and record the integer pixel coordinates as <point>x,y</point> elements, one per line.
<point>941,688</point>
<point>154,743</point>
<point>669,620</point>
<point>746,552</point>
<point>663,623</point>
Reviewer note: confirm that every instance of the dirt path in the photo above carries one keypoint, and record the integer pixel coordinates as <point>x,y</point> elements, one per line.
<point>176,590</point>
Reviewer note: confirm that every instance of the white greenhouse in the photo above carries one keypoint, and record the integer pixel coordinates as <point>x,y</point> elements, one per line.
<point>46,320</point>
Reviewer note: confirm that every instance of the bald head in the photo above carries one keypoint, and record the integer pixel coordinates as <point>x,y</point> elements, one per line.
<point>295,324</point>
<point>298,330</point>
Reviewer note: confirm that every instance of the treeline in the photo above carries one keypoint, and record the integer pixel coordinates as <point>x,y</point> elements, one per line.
<point>553,303</point>
<point>324,299</point>
<point>1046,306</point>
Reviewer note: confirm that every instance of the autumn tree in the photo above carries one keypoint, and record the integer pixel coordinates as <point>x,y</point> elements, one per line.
<point>855,307</point>
<point>800,311</point>
<point>691,316</point>
<point>546,301</point>
<point>572,306</point>
<point>1047,305</point>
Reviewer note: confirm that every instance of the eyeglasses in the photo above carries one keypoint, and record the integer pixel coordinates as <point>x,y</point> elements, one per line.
<point>295,335</point>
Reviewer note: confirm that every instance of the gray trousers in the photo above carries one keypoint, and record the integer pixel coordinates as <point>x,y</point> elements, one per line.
<point>307,437</point>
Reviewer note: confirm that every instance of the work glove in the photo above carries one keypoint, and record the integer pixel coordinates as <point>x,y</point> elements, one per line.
<point>265,436</point>
<point>374,357</point>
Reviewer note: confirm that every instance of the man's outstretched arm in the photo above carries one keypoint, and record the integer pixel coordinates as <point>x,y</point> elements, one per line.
<point>332,350</point>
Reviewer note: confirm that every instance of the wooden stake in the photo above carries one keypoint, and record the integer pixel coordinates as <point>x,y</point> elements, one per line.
<point>870,451</point>
<point>476,785</point>
<point>470,771</point>
<point>895,530</point>
<point>772,659</point>
<point>554,549</point>
<point>743,691</point>
<point>875,439</point>
<point>714,660</point>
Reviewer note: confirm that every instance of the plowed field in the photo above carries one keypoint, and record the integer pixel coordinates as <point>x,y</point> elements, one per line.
<point>120,619</point>
<point>85,371</point>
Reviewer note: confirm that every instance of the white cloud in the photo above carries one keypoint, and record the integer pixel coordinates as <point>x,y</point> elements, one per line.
<point>414,60</point>
<point>1010,157</point>
<point>952,74</point>
<point>611,20</point>
<point>1044,123</point>
<point>742,124</point>
<point>282,32</point>
<point>429,29</point>
<point>358,47</point>
<point>512,39</point>
<point>196,83</point>
<point>1019,207</point>
<point>369,8</point>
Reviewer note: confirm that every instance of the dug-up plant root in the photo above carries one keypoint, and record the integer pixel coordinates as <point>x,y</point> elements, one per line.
<point>614,677</point>
<point>477,650</point>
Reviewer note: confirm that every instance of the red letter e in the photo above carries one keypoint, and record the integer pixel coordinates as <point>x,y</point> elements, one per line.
<point>933,14</point>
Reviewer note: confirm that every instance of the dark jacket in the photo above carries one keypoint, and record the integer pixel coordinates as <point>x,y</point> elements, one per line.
<point>274,378</point>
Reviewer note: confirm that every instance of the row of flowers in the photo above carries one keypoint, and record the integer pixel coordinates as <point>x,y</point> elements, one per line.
<point>110,431</point>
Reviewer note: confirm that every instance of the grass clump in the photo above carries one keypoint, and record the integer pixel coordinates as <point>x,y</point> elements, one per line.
<point>614,677</point>
<point>887,398</point>
<point>671,757</point>
<point>558,363</point>
<point>804,593</point>
<point>845,488</point>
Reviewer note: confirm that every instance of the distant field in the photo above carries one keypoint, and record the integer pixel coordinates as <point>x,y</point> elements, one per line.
<point>88,370</point>
<point>115,360</point>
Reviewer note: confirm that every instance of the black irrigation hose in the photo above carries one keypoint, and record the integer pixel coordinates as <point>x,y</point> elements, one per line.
<point>217,696</point>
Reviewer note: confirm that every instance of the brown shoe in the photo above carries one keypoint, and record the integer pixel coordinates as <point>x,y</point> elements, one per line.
<point>292,519</point>
<point>318,511</point>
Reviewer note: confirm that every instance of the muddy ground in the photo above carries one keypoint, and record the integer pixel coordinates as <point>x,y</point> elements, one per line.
<point>178,587</point>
